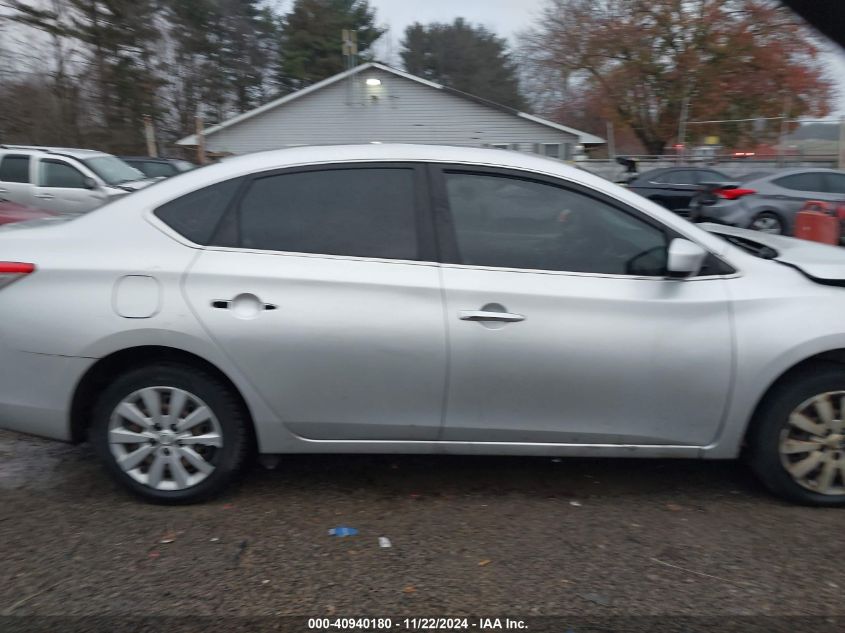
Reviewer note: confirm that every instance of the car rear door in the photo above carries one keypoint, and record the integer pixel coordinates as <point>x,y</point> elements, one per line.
<point>835,187</point>
<point>324,291</point>
<point>679,188</point>
<point>61,187</point>
<point>791,192</point>
<point>563,327</point>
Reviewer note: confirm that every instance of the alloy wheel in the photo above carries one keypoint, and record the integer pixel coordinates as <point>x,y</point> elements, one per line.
<point>165,438</point>
<point>812,445</point>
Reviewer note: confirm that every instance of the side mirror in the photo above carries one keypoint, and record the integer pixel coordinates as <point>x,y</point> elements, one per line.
<point>89,183</point>
<point>685,258</point>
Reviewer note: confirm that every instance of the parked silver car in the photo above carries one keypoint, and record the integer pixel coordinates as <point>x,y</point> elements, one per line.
<point>768,202</point>
<point>64,180</point>
<point>418,299</point>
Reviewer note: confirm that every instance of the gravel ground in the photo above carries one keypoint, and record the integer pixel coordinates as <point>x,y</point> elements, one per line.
<point>470,536</point>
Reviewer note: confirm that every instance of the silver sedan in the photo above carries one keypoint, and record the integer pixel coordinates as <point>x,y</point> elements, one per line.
<point>418,299</point>
<point>769,202</point>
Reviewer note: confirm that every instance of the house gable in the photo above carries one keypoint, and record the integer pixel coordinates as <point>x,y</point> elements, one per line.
<point>392,107</point>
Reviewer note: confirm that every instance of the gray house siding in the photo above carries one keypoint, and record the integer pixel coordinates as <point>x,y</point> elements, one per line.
<point>399,110</point>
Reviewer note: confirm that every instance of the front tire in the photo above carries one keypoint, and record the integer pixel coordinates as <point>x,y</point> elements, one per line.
<point>170,432</point>
<point>797,444</point>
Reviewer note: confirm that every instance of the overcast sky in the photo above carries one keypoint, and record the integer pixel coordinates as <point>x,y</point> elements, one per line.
<point>505,17</point>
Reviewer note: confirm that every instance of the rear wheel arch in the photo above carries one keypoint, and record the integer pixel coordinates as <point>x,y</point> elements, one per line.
<point>106,369</point>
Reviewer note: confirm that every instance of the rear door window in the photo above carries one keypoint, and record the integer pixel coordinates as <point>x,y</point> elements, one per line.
<point>357,212</point>
<point>835,183</point>
<point>809,181</point>
<point>14,169</point>
<point>680,177</point>
<point>710,176</point>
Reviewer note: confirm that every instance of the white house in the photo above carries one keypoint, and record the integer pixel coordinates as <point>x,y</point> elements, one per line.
<point>374,103</point>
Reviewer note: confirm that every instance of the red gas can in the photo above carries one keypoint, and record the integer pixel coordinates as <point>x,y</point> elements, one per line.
<point>816,223</point>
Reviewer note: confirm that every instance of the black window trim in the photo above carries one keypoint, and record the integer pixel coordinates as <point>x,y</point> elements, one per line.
<point>448,243</point>
<point>29,168</point>
<point>227,234</point>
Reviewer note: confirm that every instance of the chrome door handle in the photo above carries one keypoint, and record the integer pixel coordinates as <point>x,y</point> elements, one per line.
<point>45,196</point>
<point>483,315</point>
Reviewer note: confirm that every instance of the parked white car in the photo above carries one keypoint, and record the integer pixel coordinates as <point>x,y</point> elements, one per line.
<point>64,180</point>
<point>418,299</point>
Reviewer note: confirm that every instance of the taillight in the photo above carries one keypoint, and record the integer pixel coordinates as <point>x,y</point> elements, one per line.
<point>12,271</point>
<point>733,194</point>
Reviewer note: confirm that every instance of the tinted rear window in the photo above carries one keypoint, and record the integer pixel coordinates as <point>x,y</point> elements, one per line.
<point>359,212</point>
<point>197,214</point>
<point>14,169</point>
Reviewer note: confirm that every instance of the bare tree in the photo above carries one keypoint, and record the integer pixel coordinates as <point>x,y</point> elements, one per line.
<point>646,58</point>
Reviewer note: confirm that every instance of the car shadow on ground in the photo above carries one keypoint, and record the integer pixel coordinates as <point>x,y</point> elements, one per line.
<point>35,464</point>
<point>539,477</point>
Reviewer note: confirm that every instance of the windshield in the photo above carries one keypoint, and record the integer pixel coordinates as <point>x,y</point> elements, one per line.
<point>113,170</point>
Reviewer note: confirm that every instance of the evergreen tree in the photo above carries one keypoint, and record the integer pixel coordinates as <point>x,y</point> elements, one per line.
<point>122,38</point>
<point>465,57</point>
<point>311,39</point>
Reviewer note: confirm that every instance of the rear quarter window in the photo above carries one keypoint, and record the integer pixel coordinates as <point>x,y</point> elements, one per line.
<point>196,215</point>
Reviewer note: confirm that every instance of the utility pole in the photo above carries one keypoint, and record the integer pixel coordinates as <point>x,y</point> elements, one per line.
<point>201,158</point>
<point>150,135</point>
<point>349,50</point>
<point>682,129</point>
<point>784,128</point>
<point>611,142</point>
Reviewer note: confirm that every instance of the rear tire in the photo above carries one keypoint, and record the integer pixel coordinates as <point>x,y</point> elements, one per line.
<point>767,222</point>
<point>797,443</point>
<point>191,432</point>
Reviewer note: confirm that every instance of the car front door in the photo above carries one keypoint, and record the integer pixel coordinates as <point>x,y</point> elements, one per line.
<point>61,187</point>
<point>563,326</point>
<point>326,294</point>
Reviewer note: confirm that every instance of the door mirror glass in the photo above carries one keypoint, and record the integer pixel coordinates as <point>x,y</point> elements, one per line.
<point>685,258</point>
<point>89,183</point>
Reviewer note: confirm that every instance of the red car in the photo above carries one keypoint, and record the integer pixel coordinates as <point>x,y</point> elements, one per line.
<point>14,212</point>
